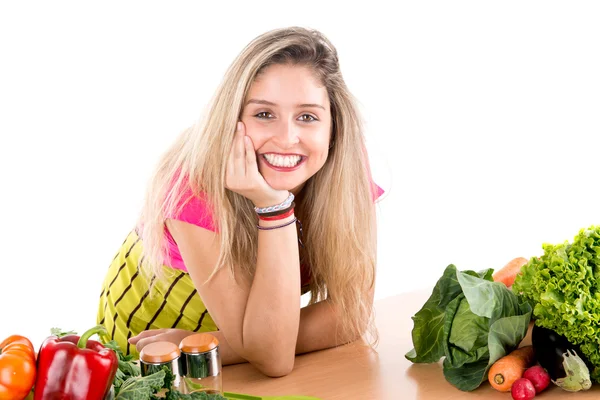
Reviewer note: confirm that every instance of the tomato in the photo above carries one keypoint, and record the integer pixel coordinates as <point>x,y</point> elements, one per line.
<point>17,368</point>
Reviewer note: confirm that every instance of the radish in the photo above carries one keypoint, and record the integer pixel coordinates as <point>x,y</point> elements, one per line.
<point>538,376</point>
<point>522,389</point>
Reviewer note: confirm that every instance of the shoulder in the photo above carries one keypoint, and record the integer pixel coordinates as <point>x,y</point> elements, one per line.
<point>194,209</point>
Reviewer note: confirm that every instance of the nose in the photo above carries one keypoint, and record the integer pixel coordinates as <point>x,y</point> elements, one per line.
<point>286,135</point>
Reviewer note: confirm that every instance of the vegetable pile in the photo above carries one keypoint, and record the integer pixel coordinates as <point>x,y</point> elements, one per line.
<point>475,321</point>
<point>77,368</point>
<point>563,286</point>
<point>472,322</point>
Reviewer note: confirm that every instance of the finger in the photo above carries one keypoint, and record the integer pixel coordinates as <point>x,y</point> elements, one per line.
<point>145,334</point>
<point>235,163</point>
<point>238,145</point>
<point>250,155</point>
<point>146,341</point>
<point>240,149</point>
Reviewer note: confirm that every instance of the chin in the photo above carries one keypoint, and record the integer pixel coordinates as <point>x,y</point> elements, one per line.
<point>279,185</point>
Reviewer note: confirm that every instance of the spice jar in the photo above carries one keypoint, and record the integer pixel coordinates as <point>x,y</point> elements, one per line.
<point>157,355</point>
<point>201,364</point>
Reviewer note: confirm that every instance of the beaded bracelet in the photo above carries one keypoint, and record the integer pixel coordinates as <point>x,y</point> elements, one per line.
<point>286,203</point>
<point>268,228</point>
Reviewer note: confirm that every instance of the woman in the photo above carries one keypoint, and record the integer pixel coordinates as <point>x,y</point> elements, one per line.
<point>210,255</point>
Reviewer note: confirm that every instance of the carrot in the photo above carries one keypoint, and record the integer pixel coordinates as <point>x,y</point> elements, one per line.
<point>508,273</point>
<point>509,368</point>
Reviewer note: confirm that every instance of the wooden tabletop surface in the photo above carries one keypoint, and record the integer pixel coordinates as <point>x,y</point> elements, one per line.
<point>357,372</point>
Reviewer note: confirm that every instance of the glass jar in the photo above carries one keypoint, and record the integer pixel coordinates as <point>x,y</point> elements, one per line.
<point>201,364</point>
<point>157,355</point>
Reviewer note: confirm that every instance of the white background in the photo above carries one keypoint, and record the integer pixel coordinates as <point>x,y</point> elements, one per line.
<point>482,120</point>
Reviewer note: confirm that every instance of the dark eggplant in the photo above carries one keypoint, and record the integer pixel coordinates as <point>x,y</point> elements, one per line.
<point>549,348</point>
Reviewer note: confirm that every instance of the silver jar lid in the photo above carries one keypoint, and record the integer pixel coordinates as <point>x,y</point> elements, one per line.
<point>158,354</point>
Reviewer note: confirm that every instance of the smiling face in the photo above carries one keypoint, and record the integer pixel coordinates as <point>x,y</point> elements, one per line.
<point>287,115</point>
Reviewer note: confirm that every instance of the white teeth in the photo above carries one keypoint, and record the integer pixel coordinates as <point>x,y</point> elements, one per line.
<point>282,161</point>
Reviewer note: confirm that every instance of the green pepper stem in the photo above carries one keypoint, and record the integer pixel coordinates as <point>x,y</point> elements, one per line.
<point>82,343</point>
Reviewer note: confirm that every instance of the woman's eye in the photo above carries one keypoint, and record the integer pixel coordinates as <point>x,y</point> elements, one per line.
<point>260,115</point>
<point>311,118</point>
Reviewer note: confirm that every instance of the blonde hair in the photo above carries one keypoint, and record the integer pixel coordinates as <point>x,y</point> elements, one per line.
<point>336,209</point>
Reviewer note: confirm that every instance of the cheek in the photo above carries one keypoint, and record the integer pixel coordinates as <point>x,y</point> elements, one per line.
<point>319,147</point>
<point>254,132</point>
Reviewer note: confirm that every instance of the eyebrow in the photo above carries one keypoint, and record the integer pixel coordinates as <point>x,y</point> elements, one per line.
<point>268,103</point>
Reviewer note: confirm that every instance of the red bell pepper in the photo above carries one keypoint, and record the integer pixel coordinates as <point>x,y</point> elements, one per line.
<point>75,368</point>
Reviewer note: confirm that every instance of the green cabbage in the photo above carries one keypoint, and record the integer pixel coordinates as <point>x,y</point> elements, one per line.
<point>472,322</point>
<point>563,286</point>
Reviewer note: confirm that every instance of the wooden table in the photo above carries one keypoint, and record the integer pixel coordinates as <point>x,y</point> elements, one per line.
<point>357,372</point>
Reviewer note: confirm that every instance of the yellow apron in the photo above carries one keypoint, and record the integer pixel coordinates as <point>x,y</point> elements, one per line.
<point>127,308</point>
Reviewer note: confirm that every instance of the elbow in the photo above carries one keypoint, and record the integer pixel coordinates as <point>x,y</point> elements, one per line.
<point>277,371</point>
<point>274,367</point>
<point>273,355</point>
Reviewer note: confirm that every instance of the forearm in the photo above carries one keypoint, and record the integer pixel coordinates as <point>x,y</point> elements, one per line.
<point>321,328</point>
<point>318,330</point>
<point>272,315</point>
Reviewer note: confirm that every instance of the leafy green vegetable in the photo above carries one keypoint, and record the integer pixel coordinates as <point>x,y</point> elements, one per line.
<point>194,396</point>
<point>175,395</point>
<point>141,388</point>
<point>128,368</point>
<point>563,286</point>
<point>472,322</point>
<point>428,331</point>
<point>60,333</point>
<point>192,385</point>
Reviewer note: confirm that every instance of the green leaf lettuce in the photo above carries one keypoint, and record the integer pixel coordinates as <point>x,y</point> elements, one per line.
<point>563,286</point>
